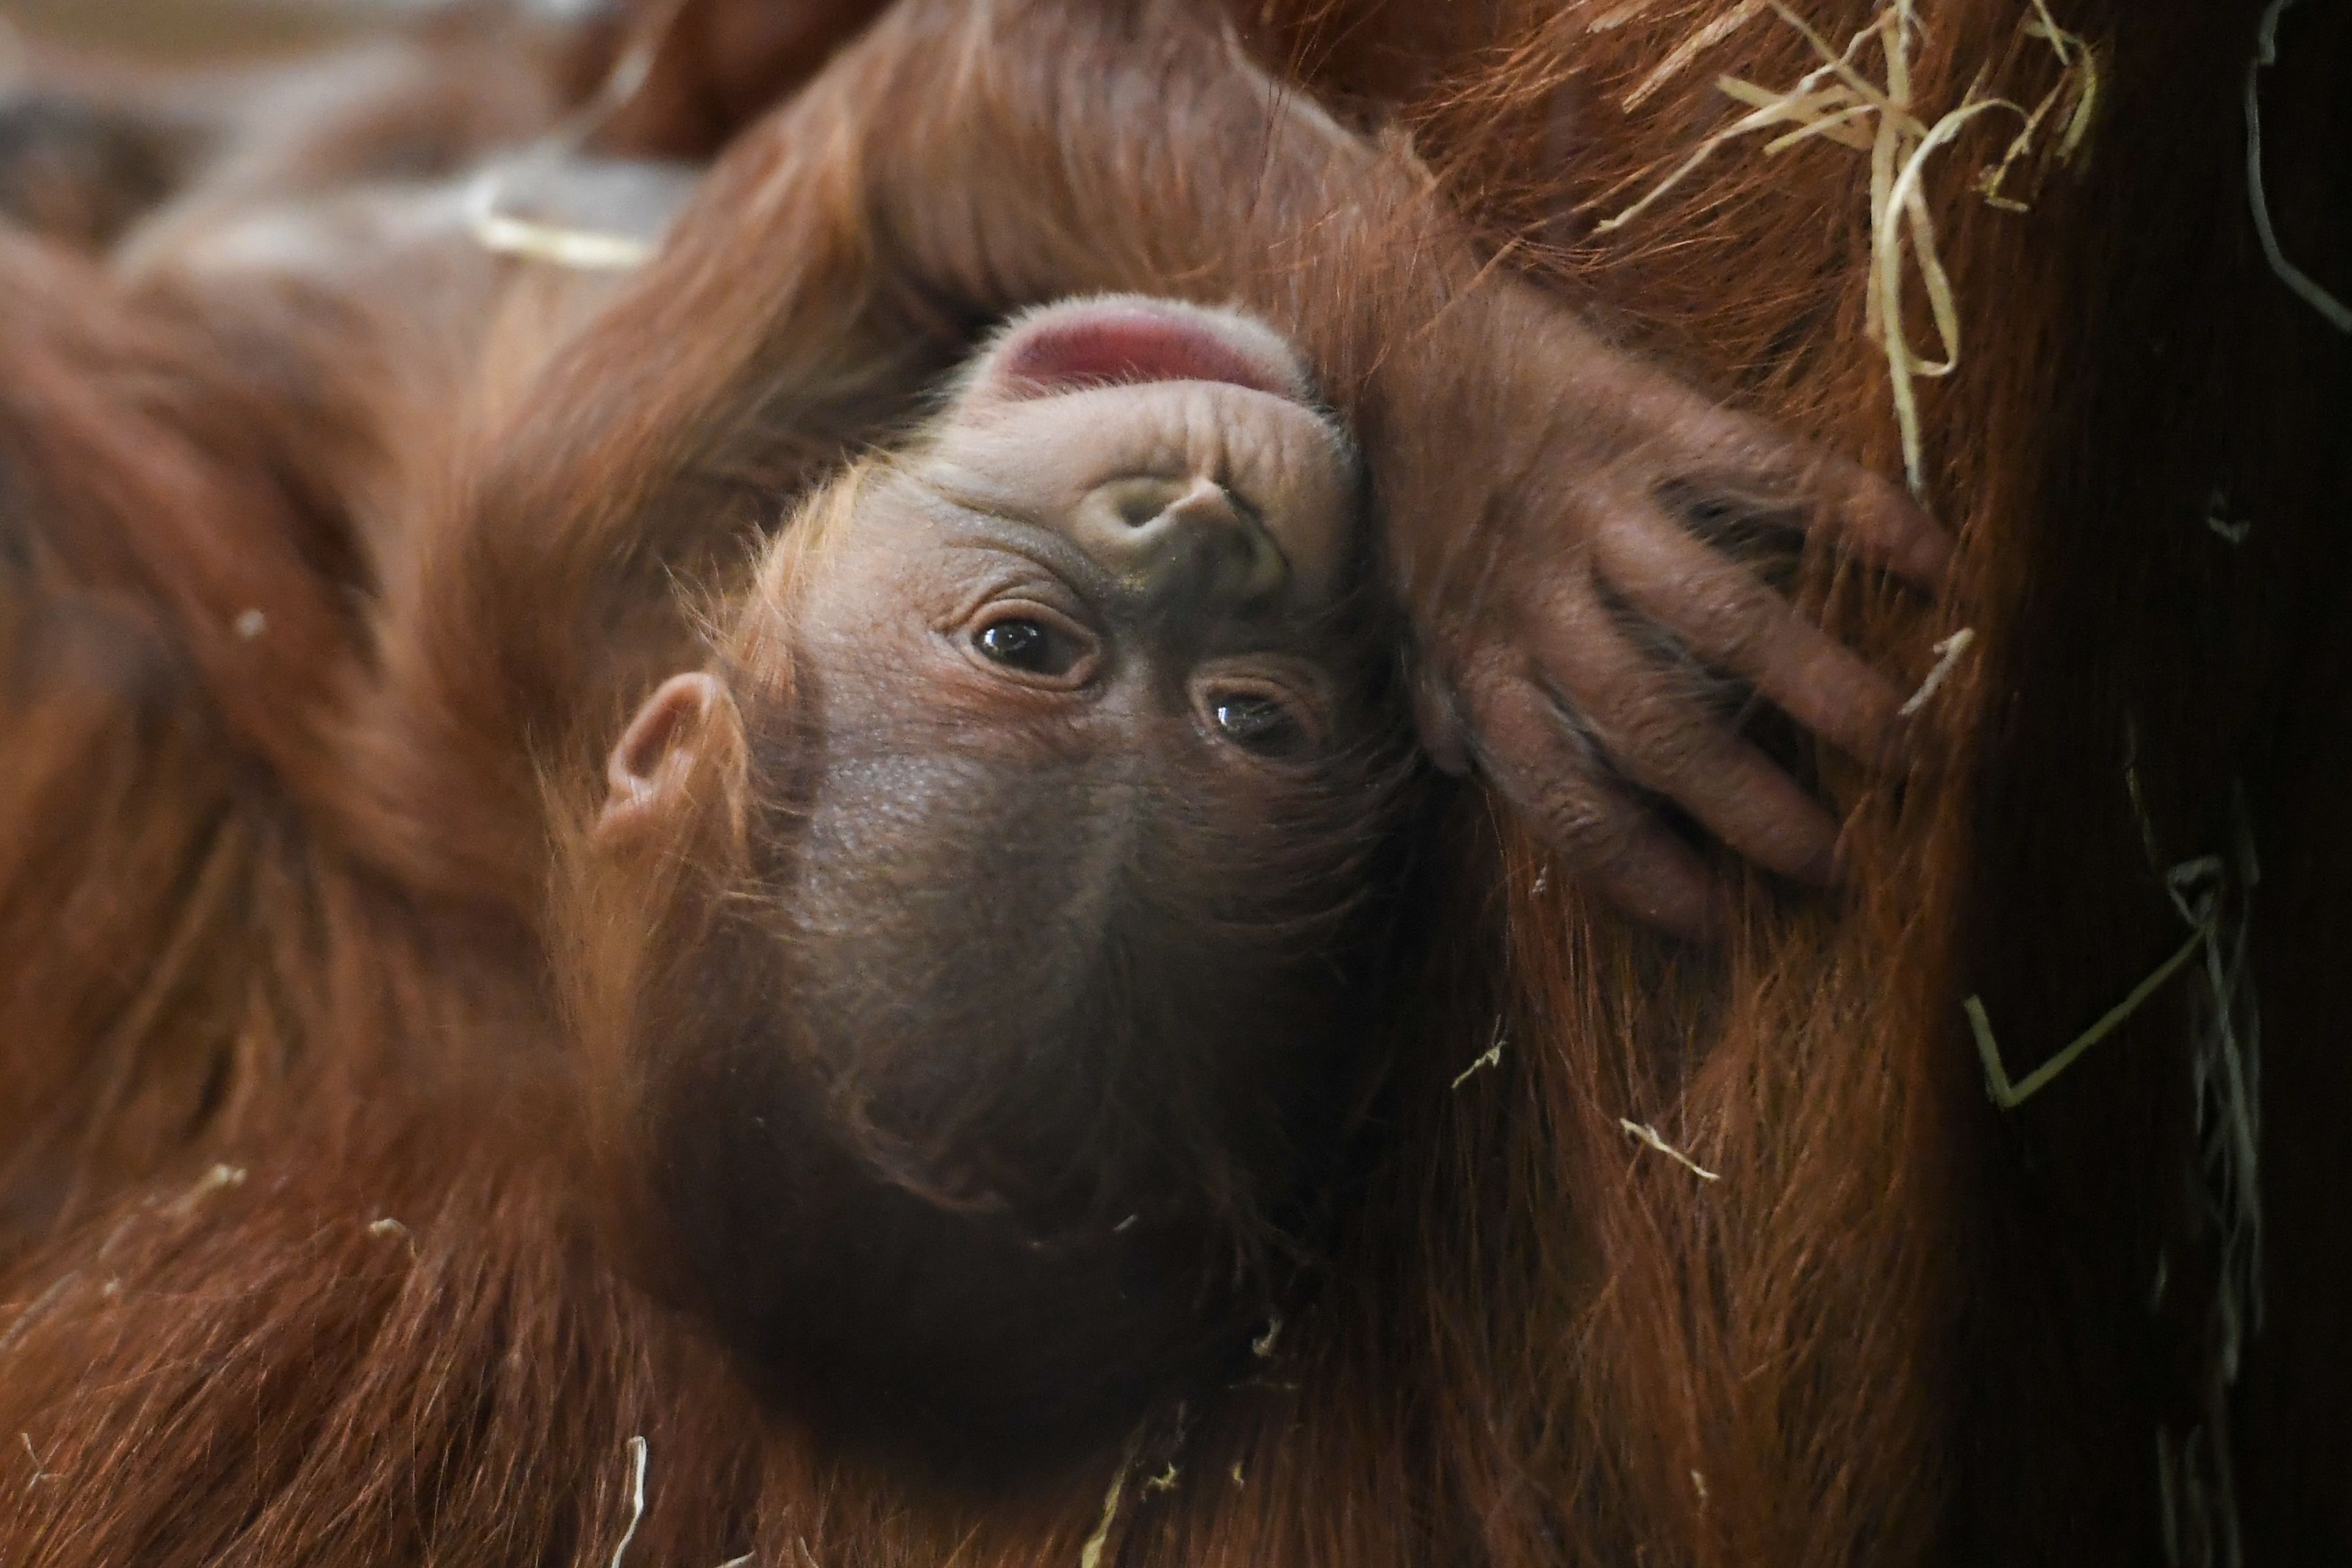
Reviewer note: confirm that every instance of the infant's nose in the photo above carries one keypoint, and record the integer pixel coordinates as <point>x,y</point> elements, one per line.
<point>1180,537</point>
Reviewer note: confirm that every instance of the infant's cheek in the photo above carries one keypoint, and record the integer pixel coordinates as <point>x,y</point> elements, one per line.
<point>1319,505</point>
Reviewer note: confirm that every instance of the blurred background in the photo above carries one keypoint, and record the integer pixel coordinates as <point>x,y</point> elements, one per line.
<point>186,30</point>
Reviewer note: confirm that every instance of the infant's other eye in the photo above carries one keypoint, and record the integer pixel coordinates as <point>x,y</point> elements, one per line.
<point>1031,647</point>
<point>1257,724</point>
<point>1017,643</point>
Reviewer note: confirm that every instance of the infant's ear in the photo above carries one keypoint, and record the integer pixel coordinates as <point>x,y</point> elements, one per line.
<point>687,730</point>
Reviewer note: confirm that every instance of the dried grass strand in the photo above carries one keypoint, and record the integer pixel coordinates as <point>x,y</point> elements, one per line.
<point>1648,1134</point>
<point>2009,1094</point>
<point>638,1454</point>
<point>1091,1555</point>
<point>1902,226</point>
<point>564,245</point>
<point>1947,657</point>
<point>1690,49</point>
<point>2333,311</point>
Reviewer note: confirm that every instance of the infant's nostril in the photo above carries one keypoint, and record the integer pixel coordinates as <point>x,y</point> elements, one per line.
<point>1142,503</point>
<point>1185,536</point>
<point>1139,502</point>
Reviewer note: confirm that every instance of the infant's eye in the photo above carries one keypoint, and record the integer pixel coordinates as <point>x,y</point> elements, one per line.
<point>1257,724</point>
<point>1031,647</point>
<point>1021,644</point>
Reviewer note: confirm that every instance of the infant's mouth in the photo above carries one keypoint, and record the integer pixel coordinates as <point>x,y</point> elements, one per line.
<point>1124,344</point>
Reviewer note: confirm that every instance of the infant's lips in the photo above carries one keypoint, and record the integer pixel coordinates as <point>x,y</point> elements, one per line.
<point>1125,344</point>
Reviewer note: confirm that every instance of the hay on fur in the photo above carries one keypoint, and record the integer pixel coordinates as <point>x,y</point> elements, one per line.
<point>1836,103</point>
<point>2333,311</point>
<point>1648,1134</point>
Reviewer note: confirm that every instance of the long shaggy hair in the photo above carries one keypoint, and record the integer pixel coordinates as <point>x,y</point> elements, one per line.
<point>1661,1256</point>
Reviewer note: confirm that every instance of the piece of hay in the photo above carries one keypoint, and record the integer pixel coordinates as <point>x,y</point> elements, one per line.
<point>2333,311</point>
<point>1618,16</point>
<point>1798,104</point>
<point>2201,915</point>
<point>575,250</point>
<point>561,245</point>
<point>1690,49</point>
<point>2010,1095</point>
<point>2218,518</point>
<point>1836,103</point>
<point>1948,655</point>
<point>1487,1059</point>
<point>636,1497</point>
<point>1091,1555</point>
<point>41,1305</point>
<point>211,1181</point>
<point>2224,1062</point>
<point>2077,91</point>
<point>1649,1135</point>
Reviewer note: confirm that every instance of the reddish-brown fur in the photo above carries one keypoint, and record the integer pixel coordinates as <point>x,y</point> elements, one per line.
<point>1901,1326</point>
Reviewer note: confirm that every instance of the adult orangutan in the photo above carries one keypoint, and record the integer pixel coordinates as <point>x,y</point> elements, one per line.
<point>984,950</point>
<point>380,1327</point>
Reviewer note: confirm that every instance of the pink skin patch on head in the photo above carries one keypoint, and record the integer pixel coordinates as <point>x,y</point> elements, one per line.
<point>1121,345</point>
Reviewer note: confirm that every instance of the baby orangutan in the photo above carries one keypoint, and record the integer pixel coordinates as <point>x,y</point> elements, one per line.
<point>1048,788</point>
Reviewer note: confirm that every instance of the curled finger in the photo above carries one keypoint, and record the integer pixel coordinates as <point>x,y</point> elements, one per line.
<point>1665,737</point>
<point>1870,517</point>
<point>1601,831</point>
<point>1729,619</point>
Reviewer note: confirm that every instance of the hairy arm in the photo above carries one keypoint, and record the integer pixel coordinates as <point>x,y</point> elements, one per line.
<point>164,642</point>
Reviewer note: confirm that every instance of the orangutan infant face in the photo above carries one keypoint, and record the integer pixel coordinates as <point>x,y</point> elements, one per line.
<point>1127,537</point>
<point>1079,697</point>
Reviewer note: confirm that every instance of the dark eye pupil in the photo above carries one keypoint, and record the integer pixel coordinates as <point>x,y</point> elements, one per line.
<point>1258,723</point>
<point>1021,644</point>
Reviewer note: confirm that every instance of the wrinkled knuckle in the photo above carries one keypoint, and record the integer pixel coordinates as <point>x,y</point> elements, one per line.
<point>1479,674</point>
<point>1583,824</point>
<point>1738,625</point>
<point>1662,738</point>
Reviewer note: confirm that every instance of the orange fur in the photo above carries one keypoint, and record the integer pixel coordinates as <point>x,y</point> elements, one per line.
<point>1902,1326</point>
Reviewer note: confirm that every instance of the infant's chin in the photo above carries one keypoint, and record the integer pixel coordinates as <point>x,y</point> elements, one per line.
<point>949,1336</point>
